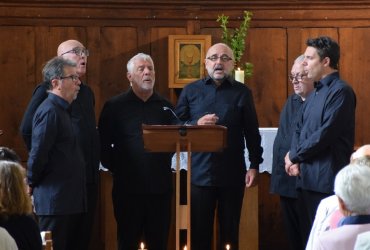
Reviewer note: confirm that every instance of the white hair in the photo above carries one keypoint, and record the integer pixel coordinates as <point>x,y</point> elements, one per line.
<point>352,185</point>
<point>299,59</point>
<point>131,62</point>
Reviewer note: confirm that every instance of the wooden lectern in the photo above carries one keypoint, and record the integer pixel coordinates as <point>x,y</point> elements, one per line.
<point>174,138</point>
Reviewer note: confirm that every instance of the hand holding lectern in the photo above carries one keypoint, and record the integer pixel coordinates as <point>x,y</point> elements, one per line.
<point>177,138</point>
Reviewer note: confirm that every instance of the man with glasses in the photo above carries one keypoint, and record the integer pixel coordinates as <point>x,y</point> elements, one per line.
<point>219,179</point>
<point>84,123</point>
<point>324,138</point>
<point>55,168</point>
<point>281,183</point>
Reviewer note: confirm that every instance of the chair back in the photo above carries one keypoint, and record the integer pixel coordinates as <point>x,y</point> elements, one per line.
<point>47,241</point>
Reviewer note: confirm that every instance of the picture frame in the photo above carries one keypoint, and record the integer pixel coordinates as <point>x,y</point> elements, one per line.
<point>186,54</point>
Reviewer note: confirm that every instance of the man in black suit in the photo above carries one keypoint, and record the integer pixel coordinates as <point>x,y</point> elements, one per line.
<point>84,123</point>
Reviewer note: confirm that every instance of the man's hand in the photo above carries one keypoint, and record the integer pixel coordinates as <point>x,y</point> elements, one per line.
<point>290,168</point>
<point>251,178</point>
<point>288,163</point>
<point>209,119</point>
<point>294,170</point>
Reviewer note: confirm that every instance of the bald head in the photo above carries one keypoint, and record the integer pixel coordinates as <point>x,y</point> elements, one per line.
<point>220,47</point>
<point>76,52</point>
<point>219,62</point>
<point>68,45</point>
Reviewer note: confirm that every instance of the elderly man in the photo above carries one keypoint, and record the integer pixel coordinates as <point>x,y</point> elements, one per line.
<point>84,123</point>
<point>352,190</point>
<point>328,214</point>
<point>281,182</point>
<point>142,181</point>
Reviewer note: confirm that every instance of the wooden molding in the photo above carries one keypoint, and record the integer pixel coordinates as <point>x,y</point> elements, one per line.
<point>265,13</point>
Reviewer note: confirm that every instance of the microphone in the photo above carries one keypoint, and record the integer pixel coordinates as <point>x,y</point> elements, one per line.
<point>174,114</point>
<point>177,118</point>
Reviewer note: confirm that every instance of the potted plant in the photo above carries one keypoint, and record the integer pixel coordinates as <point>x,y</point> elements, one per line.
<point>235,39</point>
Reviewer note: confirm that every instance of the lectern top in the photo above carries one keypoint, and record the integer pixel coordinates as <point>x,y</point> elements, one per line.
<point>202,138</point>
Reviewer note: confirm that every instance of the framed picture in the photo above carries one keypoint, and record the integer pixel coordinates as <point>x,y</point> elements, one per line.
<point>186,54</point>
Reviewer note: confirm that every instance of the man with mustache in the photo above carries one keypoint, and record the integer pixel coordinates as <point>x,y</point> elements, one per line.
<point>324,139</point>
<point>219,179</point>
<point>55,167</point>
<point>84,124</point>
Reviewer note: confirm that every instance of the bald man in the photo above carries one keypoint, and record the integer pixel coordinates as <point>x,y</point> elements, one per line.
<point>219,179</point>
<point>84,124</point>
<point>328,214</point>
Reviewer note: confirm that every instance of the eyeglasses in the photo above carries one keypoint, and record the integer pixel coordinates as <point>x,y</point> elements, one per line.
<point>78,51</point>
<point>72,77</point>
<point>223,58</point>
<point>296,78</point>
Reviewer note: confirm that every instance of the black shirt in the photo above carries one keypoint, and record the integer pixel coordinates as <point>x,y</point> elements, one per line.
<point>120,125</point>
<point>281,182</point>
<point>324,139</point>
<point>233,103</point>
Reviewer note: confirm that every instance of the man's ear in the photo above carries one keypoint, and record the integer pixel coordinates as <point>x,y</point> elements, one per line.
<point>55,83</point>
<point>128,74</point>
<point>343,207</point>
<point>326,61</point>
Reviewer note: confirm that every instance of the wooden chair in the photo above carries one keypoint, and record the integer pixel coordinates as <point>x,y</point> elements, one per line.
<point>47,241</point>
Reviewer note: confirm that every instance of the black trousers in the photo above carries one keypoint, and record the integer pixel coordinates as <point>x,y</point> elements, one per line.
<point>204,201</point>
<point>142,218</point>
<point>293,222</point>
<point>307,203</point>
<point>65,230</point>
<point>89,217</point>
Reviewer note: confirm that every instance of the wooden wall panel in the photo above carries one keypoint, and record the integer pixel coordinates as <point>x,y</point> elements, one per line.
<point>354,68</point>
<point>17,55</point>
<point>94,74</point>
<point>117,46</point>
<point>267,52</point>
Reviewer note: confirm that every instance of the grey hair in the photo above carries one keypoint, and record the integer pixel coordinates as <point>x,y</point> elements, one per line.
<point>299,59</point>
<point>130,63</point>
<point>54,68</point>
<point>352,185</point>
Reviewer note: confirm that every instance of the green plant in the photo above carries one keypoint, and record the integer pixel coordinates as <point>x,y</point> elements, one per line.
<point>235,39</point>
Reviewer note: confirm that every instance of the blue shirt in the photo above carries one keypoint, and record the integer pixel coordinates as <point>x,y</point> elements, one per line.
<point>83,119</point>
<point>324,139</point>
<point>233,103</point>
<point>281,182</point>
<point>55,164</point>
